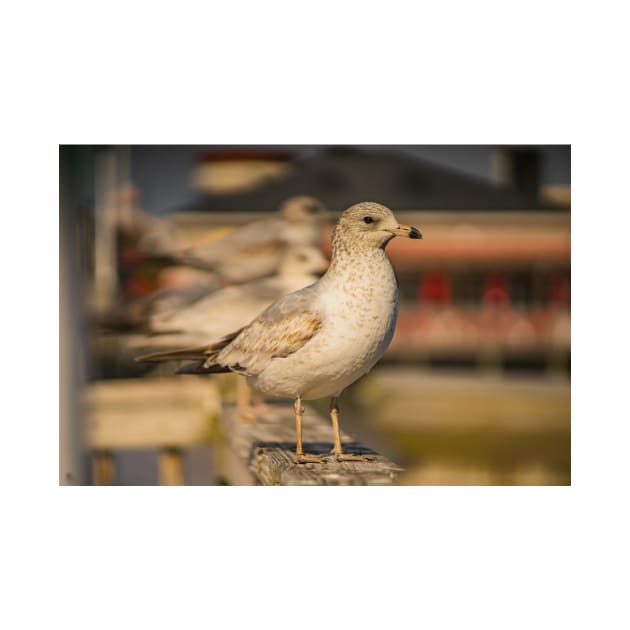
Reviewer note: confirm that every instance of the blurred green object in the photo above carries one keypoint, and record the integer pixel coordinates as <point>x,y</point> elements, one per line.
<point>456,429</point>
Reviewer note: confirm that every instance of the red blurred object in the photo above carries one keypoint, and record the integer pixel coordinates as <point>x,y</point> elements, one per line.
<point>496,291</point>
<point>559,292</point>
<point>435,288</point>
<point>129,255</point>
<point>237,155</point>
<point>137,287</point>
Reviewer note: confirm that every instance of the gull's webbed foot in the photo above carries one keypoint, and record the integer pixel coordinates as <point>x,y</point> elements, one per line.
<point>308,459</point>
<point>347,457</point>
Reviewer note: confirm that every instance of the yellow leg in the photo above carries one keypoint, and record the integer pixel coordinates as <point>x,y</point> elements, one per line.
<point>337,451</point>
<point>300,457</point>
<point>244,400</point>
<point>247,410</point>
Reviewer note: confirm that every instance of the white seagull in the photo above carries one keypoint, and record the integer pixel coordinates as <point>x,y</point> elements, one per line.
<point>255,250</point>
<point>315,342</point>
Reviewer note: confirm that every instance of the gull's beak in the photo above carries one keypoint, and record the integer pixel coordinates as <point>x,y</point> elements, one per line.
<point>407,231</point>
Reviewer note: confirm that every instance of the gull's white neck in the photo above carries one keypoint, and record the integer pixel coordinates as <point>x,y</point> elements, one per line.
<point>358,263</point>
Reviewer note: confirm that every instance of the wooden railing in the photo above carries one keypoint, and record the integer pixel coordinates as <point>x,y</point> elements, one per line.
<point>164,414</point>
<point>261,453</point>
<point>173,414</point>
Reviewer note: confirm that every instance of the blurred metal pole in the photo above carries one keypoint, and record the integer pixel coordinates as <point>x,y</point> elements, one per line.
<point>517,168</point>
<point>105,285</point>
<point>72,460</point>
<point>501,168</point>
<point>124,208</point>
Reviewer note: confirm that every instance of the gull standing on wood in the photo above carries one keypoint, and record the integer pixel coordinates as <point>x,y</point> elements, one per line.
<point>315,342</point>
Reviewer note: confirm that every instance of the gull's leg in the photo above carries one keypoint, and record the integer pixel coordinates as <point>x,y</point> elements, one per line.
<point>248,411</point>
<point>300,457</point>
<point>337,451</point>
<point>244,400</point>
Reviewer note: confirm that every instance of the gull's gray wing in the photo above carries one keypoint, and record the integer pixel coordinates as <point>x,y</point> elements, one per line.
<point>280,330</point>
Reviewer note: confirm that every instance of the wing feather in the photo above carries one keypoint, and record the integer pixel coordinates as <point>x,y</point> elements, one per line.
<point>279,331</point>
<point>264,340</point>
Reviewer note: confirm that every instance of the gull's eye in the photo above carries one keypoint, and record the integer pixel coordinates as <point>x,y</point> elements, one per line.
<point>368,220</point>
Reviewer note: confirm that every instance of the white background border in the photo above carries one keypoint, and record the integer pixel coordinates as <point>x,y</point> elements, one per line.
<point>280,72</point>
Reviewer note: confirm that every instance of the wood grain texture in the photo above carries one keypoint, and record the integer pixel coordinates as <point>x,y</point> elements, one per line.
<point>266,447</point>
<point>153,413</point>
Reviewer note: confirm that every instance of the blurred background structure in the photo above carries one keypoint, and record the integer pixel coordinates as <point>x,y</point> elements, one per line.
<point>475,388</point>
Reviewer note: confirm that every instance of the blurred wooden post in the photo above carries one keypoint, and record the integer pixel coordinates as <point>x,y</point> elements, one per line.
<point>171,467</point>
<point>231,469</point>
<point>112,170</point>
<point>518,168</point>
<point>74,185</point>
<point>103,468</point>
<point>164,414</point>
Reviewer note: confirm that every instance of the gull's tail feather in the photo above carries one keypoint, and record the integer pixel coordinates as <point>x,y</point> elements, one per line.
<point>197,367</point>
<point>204,355</point>
<point>198,356</point>
<point>164,333</point>
<point>190,260</point>
<point>187,354</point>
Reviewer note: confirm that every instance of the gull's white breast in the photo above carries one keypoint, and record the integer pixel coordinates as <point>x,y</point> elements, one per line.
<point>359,308</point>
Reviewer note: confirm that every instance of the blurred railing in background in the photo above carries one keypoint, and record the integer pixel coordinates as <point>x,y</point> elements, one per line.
<point>483,289</point>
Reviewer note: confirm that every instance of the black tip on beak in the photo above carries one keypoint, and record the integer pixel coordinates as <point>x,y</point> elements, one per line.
<point>414,233</point>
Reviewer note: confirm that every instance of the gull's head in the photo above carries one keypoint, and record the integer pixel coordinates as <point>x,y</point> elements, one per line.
<point>373,224</point>
<point>301,260</point>
<point>302,209</point>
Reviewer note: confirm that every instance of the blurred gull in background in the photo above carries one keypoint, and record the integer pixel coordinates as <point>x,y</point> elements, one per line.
<point>256,249</point>
<point>217,314</point>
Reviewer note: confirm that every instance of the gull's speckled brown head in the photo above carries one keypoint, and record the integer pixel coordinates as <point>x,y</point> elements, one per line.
<point>372,224</point>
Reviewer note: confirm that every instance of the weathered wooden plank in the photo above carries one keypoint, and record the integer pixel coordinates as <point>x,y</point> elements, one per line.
<point>267,446</point>
<point>165,389</point>
<point>148,428</point>
<point>230,468</point>
<point>153,413</point>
